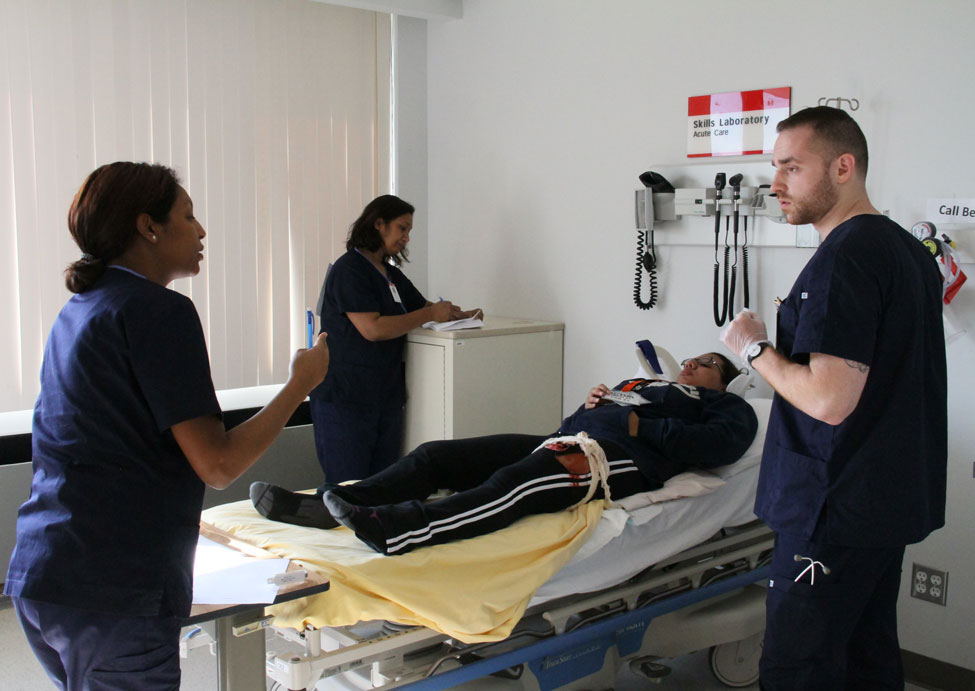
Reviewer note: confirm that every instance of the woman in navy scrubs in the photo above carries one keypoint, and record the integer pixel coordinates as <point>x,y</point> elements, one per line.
<point>126,432</point>
<point>369,305</point>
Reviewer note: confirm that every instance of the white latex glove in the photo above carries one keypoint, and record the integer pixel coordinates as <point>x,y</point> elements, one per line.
<point>746,329</point>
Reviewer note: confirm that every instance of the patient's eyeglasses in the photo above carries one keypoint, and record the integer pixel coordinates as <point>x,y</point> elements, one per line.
<point>702,360</point>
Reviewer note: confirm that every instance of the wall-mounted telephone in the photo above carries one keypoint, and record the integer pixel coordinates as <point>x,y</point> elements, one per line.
<point>646,254</point>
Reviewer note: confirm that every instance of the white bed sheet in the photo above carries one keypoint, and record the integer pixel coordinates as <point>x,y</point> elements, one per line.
<point>625,543</point>
<point>612,555</point>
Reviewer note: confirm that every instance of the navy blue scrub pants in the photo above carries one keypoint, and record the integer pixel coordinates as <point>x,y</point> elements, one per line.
<point>91,651</point>
<point>497,479</point>
<point>353,440</point>
<point>839,631</point>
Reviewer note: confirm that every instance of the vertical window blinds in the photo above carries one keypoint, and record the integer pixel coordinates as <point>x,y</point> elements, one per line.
<point>275,113</point>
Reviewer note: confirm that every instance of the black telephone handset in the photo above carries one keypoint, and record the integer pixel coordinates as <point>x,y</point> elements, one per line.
<point>646,254</point>
<point>656,181</point>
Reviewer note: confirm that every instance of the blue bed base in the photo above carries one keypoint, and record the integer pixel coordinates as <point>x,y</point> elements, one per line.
<point>558,660</point>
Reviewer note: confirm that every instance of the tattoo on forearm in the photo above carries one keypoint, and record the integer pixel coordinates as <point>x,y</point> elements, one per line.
<point>858,366</point>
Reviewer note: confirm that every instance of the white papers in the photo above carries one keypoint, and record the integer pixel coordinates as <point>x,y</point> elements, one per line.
<point>224,576</point>
<point>457,324</point>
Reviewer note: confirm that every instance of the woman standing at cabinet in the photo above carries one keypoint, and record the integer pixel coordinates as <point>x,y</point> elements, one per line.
<point>369,305</point>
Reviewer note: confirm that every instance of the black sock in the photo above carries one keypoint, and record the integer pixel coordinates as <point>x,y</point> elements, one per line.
<point>362,520</point>
<point>284,506</point>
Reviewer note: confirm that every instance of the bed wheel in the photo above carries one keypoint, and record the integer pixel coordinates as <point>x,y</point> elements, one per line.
<point>735,664</point>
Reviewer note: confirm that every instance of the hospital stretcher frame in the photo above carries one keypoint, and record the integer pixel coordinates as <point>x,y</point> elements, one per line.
<point>706,596</point>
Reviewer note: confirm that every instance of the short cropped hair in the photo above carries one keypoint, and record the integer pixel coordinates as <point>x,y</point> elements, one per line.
<point>835,131</point>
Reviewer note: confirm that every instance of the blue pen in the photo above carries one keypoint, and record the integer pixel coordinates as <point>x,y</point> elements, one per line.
<point>311,327</point>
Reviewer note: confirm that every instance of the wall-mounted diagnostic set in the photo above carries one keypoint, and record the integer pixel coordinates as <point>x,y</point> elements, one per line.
<point>660,201</point>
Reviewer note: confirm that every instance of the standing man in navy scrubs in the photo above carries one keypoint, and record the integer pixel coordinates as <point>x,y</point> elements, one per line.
<point>855,458</point>
<point>369,306</point>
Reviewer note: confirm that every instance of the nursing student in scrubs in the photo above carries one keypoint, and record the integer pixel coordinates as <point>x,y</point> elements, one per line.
<point>369,305</point>
<point>126,433</point>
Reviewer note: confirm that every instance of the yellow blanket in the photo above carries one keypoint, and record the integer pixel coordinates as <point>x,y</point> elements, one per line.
<point>474,590</point>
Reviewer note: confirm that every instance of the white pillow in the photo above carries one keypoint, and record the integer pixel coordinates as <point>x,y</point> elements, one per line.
<point>741,384</point>
<point>753,456</point>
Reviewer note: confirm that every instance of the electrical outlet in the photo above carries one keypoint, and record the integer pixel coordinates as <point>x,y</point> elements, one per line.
<point>929,584</point>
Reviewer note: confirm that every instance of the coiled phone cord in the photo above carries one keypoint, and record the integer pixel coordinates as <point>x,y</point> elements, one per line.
<point>646,260</point>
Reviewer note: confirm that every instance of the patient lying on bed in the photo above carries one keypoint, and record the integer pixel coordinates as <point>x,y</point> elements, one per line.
<point>605,449</point>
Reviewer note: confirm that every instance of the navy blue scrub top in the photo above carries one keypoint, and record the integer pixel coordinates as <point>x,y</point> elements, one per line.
<point>870,294</point>
<point>112,521</point>
<point>361,371</point>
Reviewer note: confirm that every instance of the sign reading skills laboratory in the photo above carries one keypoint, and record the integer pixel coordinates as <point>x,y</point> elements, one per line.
<point>735,123</point>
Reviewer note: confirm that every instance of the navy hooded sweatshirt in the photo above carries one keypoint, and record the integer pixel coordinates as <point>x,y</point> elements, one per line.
<point>680,427</point>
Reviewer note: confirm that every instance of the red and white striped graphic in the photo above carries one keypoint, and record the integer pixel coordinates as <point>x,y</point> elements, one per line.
<point>735,123</point>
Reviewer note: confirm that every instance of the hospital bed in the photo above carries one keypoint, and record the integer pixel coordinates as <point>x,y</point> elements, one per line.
<point>661,576</point>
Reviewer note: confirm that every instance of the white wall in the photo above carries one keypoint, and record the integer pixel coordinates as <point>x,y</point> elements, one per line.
<point>542,114</point>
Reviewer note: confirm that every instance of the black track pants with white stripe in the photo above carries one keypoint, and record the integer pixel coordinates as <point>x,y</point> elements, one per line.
<point>497,479</point>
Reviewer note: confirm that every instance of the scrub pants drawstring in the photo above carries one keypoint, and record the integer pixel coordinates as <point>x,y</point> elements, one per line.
<point>811,568</point>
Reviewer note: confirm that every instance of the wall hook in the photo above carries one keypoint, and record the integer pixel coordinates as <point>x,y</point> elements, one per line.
<point>854,104</point>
